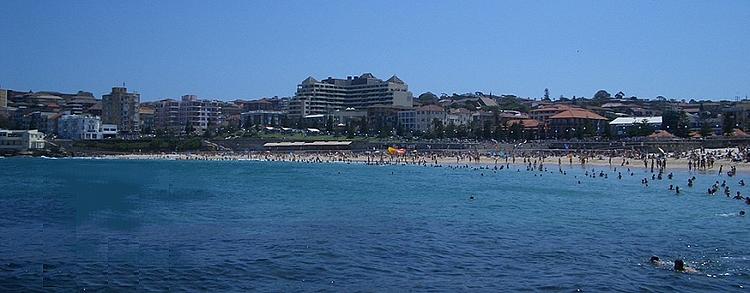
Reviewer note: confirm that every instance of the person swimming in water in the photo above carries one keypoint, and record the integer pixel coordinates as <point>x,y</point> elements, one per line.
<point>679,266</point>
<point>654,260</point>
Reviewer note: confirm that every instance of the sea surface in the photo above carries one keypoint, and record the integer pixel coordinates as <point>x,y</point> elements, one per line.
<point>121,225</point>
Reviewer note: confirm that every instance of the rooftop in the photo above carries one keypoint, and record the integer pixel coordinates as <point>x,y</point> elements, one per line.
<point>634,120</point>
<point>575,113</point>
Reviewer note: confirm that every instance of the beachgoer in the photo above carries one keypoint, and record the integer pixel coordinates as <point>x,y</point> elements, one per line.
<point>679,266</point>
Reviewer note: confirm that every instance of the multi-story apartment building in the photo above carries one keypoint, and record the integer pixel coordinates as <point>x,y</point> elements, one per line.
<point>148,119</point>
<point>175,116</point>
<point>167,116</point>
<point>84,127</point>
<point>422,118</point>
<point>122,109</point>
<point>199,114</point>
<point>315,97</point>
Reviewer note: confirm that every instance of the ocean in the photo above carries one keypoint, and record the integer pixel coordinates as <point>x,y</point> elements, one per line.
<point>150,225</point>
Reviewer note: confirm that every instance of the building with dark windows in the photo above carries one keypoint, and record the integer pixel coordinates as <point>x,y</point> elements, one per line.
<point>122,108</point>
<point>315,97</point>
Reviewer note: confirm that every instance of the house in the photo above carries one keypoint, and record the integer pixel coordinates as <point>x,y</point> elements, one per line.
<point>576,122</point>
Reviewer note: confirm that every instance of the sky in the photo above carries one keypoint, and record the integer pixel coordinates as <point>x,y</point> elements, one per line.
<point>251,49</point>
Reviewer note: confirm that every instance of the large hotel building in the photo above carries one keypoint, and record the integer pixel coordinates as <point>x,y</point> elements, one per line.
<point>333,94</point>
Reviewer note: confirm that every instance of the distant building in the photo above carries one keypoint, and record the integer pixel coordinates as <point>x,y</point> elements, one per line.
<point>458,116</point>
<point>167,116</point>
<point>109,130</point>
<point>348,116</point>
<point>262,118</point>
<point>21,140</point>
<point>148,119</point>
<point>175,116</point>
<point>621,125</point>
<point>422,118</point>
<point>122,109</point>
<point>543,113</point>
<point>569,122</point>
<point>267,104</point>
<point>530,128</point>
<point>332,94</point>
<point>384,117</point>
<point>79,127</point>
<point>199,114</point>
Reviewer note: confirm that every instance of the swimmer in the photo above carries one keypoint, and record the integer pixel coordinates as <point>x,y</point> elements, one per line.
<point>657,262</point>
<point>742,213</point>
<point>679,266</point>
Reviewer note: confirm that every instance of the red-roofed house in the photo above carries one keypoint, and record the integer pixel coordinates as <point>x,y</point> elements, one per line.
<point>531,127</point>
<point>576,122</point>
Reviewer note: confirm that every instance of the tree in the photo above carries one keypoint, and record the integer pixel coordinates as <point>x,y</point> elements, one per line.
<point>675,122</point>
<point>486,131</point>
<point>516,131</point>
<point>641,128</point>
<point>546,95</point>
<point>437,128</point>
<point>619,95</point>
<point>427,98</point>
<point>209,129</point>
<point>363,125</point>
<point>189,128</point>
<point>329,124</point>
<point>728,123</point>
<point>498,133</point>
<point>706,129</point>
<point>400,130</point>
<point>586,130</point>
<point>607,131</point>
<point>284,121</point>
<point>450,130</point>
<point>349,130</point>
<point>602,95</point>
<point>462,131</point>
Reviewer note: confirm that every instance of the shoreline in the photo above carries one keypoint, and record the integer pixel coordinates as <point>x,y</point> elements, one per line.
<point>681,164</point>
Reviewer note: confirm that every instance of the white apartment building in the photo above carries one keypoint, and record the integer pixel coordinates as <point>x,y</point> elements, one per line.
<point>21,140</point>
<point>84,127</point>
<point>422,118</point>
<point>315,97</point>
<point>79,127</point>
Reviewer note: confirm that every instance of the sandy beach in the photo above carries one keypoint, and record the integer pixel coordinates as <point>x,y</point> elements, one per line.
<point>672,161</point>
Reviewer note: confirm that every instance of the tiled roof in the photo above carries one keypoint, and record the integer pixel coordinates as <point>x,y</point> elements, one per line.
<point>574,113</point>
<point>526,123</point>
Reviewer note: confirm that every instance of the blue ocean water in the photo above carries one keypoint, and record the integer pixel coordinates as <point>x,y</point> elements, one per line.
<point>103,225</point>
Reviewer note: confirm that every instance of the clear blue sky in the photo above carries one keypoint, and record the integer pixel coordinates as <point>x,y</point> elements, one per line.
<point>250,49</point>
